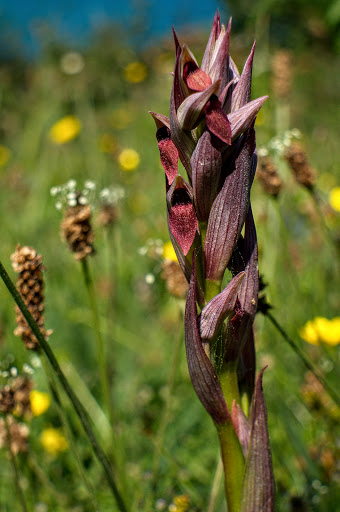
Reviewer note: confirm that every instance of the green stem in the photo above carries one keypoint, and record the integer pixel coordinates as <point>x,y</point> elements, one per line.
<point>68,433</point>
<point>309,364</point>
<point>231,451</point>
<point>15,469</point>
<point>79,408</point>
<point>233,463</point>
<point>104,378</point>
<point>229,383</point>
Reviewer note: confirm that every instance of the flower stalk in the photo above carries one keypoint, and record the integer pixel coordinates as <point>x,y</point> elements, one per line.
<point>211,131</point>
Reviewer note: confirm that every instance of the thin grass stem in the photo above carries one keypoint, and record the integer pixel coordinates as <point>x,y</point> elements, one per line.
<point>79,408</point>
<point>15,470</point>
<point>104,378</point>
<point>165,416</point>
<point>40,474</point>
<point>306,361</point>
<point>216,484</point>
<point>68,432</point>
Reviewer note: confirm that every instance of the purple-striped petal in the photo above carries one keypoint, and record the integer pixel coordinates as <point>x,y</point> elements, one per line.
<point>209,50</point>
<point>202,372</point>
<point>218,308</point>
<point>219,68</point>
<point>244,116</point>
<point>258,493</point>
<point>242,91</point>
<point>190,111</point>
<point>228,212</point>
<point>206,162</point>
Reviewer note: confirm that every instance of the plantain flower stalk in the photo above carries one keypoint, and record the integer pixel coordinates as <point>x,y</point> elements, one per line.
<point>28,264</point>
<point>211,131</point>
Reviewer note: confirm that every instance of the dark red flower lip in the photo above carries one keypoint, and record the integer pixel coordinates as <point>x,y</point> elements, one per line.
<point>182,215</point>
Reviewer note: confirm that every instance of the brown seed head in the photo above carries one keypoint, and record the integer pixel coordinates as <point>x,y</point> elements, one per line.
<point>7,401</point>
<point>76,229</point>
<point>174,278</point>
<point>18,435</point>
<point>108,215</point>
<point>22,387</point>
<point>282,73</point>
<point>28,263</point>
<point>298,162</point>
<point>268,175</point>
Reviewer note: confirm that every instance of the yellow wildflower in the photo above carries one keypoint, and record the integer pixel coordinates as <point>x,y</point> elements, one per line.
<point>180,504</point>
<point>53,441</point>
<point>321,330</point>
<point>5,155</point>
<point>128,160</point>
<point>64,130</point>
<point>135,72</point>
<point>334,198</point>
<point>39,401</point>
<point>169,252</point>
<point>107,143</point>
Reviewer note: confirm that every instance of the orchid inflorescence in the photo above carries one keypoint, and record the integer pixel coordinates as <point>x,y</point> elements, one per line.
<point>211,131</point>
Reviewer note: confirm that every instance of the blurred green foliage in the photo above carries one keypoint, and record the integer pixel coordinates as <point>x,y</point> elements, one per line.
<point>293,24</point>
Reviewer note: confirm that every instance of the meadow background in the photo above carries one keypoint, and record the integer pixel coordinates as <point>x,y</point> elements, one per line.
<point>165,443</point>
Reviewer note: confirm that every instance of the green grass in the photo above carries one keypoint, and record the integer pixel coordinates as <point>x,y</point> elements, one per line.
<point>140,322</point>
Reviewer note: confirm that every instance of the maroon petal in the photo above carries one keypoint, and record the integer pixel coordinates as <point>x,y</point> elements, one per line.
<point>241,426</point>
<point>206,162</point>
<point>194,78</point>
<point>160,120</point>
<point>183,261</point>
<point>209,50</point>
<point>258,493</point>
<point>177,45</point>
<point>218,308</point>
<point>242,91</point>
<point>244,116</point>
<point>190,110</point>
<point>168,153</point>
<point>217,121</point>
<point>228,212</point>
<point>184,143</point>
<point>182,215</point>
<point>202,372</point>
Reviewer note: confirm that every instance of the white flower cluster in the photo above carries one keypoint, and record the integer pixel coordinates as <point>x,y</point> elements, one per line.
<point>68,194</point>
<point>153,247</point>
<point>280,143</point>
<point>111,195</point>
